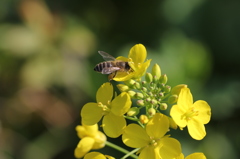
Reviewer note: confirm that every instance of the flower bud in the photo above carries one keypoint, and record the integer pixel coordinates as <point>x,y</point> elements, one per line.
<point>156,71</point>
<point>163,106</point>
<point>122,87</point>
<point>163,79</point>
<point>144,89</point>
<point>167,89</point>
<point>173,99</point>
<point>139,95</point>
<point>148,77</point>
<point>152,85</point>
<point>161,94</point>
<point>143,119</point>
<point>137,85</point>
<point>130,82</point>
<point>161,85</point>
<point>140,102</point>
<point>153,102</point>
<point>133,111</point>
<point>144,83</point>
<point>148,99</point>
<point>131,94</point>
<point>150,94</point>
<point>100,140</point>
<point>151,111</point>
<point>176,90</point>
<point>155,79</point>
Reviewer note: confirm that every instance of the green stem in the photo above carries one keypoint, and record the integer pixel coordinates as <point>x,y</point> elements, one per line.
<point>166,96</point>
<point>121,149</point>
<point>131,153</point>
<point>131,118</point>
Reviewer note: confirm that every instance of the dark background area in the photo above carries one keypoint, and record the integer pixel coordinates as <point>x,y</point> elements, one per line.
<point>48,50</point>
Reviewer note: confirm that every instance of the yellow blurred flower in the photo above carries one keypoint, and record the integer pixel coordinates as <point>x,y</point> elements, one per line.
<point>196,155</point>
<point>90,137</point>
<point>136,58</point>
<point>97,155</point>
<point>152,140</point>
<point>193,115</point>
<point>112,111</point>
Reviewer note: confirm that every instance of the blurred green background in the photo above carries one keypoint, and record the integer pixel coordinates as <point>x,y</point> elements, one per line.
<point>48,50</point>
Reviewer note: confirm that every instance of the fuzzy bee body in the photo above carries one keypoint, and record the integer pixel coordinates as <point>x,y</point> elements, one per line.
<point>111,66</point>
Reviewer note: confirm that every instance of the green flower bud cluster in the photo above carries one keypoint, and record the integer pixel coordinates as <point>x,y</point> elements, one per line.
<point>152,93</point>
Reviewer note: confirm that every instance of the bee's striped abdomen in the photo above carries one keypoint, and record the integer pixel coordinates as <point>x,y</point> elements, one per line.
<point>99,67</point>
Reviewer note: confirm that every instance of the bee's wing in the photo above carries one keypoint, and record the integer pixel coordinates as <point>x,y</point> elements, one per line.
<point>109,70</point>
<point>106,56</point>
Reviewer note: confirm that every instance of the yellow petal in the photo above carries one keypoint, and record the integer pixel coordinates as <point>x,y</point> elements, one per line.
<point>170,148</point>
<point>149,152</point>
<point>121,58</point>
<point>105,93</point>
<point>172,123</point>
<point>113,125</point>
<point>157,126</point>
<point>83,147</point>
<point>94,155</point>
<point>176,113</point>
<point>121,104</point>
<point>185,99</point>
<point>177,89</point>
<point>91,129</point>
<point>81,132</point>
<point>138,53</point>
<point>196,156</point>
<point>196,129</point>
<point>123,76</point>
<point>100,140</point>
<point>142,69</point>
<point>135,136</point>
<point>85,130</point>
<point>181,156</point>
<point>109,157</point>
<point>204,111</point>
<point>91,114</point>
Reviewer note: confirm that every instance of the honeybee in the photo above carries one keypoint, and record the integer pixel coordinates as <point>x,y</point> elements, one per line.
<point>111,65</point>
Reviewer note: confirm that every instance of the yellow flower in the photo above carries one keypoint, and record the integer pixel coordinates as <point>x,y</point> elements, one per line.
<point>177,89</point>
<point>97,155</point>
<point>136,58</point>
<point>111,110</point>
<point>90,137</point>
<point>152,140</point>
<point>196,155</point>
<point>192,115</point>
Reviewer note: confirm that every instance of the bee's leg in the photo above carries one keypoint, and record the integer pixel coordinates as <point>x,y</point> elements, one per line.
<point>114,74</point>
<point>111,76</point>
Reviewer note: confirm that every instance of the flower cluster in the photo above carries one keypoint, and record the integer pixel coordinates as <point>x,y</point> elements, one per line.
<point>144,99</point>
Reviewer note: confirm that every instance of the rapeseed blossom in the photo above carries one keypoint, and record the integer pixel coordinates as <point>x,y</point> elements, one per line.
<point>149,135</point>
<point>90,137</point>
<point>136,57</point>
<point>152,140</point>
<point>192,115</point>
<point>97,155</point>
<point>195,155</point>
<point>112,111</point>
